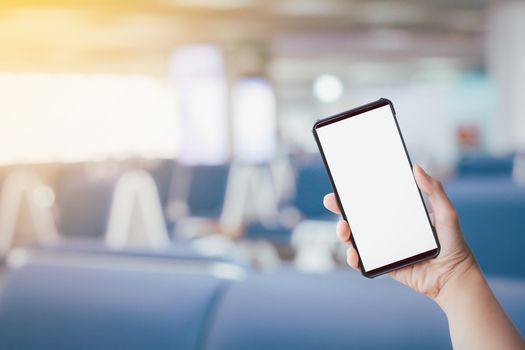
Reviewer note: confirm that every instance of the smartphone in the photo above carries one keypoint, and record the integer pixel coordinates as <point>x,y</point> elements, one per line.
<point>371,174</point>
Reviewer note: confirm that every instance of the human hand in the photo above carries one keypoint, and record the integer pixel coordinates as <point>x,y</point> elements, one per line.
<point>431,276</point>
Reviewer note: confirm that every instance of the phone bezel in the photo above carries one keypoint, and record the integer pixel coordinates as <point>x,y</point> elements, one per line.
<point>351,113</point>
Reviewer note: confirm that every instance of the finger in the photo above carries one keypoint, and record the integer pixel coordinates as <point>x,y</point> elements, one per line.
<point>444,212</point>
<point>352,259</point>
<point>343,231</point>
<point>330,203</point>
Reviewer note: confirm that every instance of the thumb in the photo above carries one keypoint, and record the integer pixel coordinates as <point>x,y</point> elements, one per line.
<point>444,212</point>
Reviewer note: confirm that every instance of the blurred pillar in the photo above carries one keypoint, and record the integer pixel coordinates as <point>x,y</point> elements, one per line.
<point>252,101</point>
<point>198,73</point>
<point>505,45</point>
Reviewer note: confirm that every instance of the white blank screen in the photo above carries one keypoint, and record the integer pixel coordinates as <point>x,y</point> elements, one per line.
<point>376,187</point>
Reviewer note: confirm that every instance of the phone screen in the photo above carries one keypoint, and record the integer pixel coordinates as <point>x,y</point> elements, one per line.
<point>372,176</point>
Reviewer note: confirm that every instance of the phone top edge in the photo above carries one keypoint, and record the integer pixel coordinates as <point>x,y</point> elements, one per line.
<point>352,112</point>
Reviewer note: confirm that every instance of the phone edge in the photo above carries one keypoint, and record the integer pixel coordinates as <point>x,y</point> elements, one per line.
<point>356,111</point>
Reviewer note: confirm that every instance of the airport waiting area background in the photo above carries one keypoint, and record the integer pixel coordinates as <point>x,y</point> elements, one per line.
<point>160,186</point>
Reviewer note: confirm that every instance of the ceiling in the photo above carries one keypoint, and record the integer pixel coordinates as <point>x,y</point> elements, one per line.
<point>138,35</point>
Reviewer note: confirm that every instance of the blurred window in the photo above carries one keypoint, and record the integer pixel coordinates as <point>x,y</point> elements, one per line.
<point>75,117</point>
<point>254,120</point>
<point>198,74</point>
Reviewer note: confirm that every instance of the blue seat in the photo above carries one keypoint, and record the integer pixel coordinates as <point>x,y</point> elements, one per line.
<point>59,306</point>
<point>52,305</point>
<point>313,184</point>
<point>178,251</point>
<point>162,172</point>
<point>339,310</point>
<point>492,213</point>
<point>84,203</point>
<point>482,165</point>
<point>207,190</point>
<point>277,234</point>
<point>202,187</point>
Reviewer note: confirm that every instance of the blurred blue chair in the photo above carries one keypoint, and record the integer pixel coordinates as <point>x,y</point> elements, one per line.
<point>85,201</point>
<point>58,302</point>
<point>481,165</point>
<point>84,204</point>
<point>278,234</point>
<point>201,187</point>
<point>207,189</point>
<point>338,310</point>
<point>312,184</point>
<point>162,172</point>
<point>197,194</point>
<point>63,302</point>
<point>178,250</point>
<point>492,213</point>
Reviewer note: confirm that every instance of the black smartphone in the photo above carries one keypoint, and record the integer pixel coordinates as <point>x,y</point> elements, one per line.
<point>371,174</point>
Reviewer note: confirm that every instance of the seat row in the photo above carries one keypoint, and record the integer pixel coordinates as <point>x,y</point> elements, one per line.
<point>70,299</point>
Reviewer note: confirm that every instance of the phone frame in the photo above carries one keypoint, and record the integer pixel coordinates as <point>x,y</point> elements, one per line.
<point>351,113</point>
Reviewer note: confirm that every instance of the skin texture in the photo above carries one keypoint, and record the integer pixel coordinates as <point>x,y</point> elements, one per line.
<point>453,279</point>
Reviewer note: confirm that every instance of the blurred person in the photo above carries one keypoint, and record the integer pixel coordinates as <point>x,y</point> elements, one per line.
<point>453,280</point>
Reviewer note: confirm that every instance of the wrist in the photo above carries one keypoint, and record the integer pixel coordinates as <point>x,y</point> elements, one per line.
<point>466,279</point>
<point>475,317</point>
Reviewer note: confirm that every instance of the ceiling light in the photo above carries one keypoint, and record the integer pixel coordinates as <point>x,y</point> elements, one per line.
<point>328,88</point>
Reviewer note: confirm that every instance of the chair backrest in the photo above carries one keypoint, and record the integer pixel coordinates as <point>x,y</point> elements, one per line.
<point>180,250</point>
<point>55,302</point>
<point>492,214</point>
<point>84,199</point>
<point>202,187</point>
<point>312,184</point>
<point>485,165</point>
<point>162,172</point>
<point>338,310</point>
<point>84,203</point>
<point>52,303</point>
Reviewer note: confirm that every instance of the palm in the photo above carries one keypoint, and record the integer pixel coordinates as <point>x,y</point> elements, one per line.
<point>428,277</point>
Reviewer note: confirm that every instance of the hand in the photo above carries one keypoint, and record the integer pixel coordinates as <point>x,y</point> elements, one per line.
<point>431,276</point>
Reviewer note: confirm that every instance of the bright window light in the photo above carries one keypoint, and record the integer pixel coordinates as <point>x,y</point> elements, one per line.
<point>198,74</point>
<point>328,88</point>
<point>75,117</point>
<point>254,120</point>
